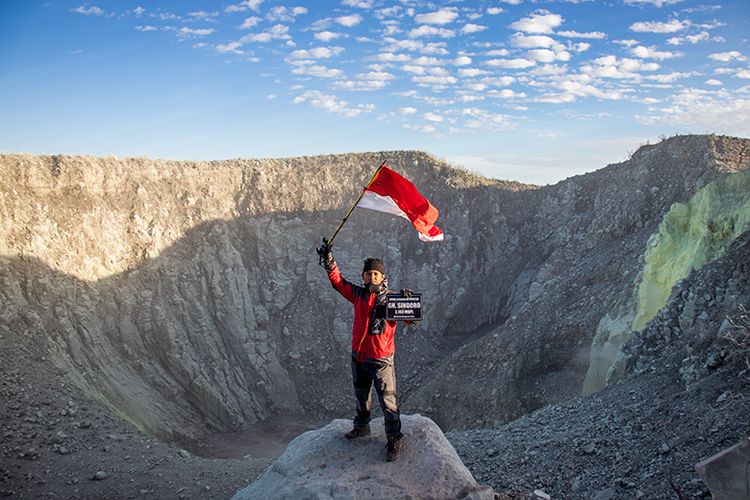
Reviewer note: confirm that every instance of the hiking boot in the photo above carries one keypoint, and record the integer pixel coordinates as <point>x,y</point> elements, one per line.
<point>392,449</point>
<point>357,432</point>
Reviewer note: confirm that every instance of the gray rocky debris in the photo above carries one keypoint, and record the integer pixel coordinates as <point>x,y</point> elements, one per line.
<point>726,473</point>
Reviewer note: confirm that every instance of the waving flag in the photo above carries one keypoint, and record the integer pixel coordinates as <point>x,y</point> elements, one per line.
<point>390,193</point>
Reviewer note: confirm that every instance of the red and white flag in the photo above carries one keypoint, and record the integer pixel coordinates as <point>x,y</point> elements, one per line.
<point>390,193</point>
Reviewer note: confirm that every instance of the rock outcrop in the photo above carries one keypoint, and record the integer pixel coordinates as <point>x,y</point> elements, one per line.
<point>322,464</point>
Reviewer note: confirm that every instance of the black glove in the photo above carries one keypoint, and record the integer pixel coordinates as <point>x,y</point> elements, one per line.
<point>406,293</point>
<point>325,255</point>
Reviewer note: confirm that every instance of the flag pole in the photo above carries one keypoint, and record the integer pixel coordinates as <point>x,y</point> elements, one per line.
<point>329,241</point>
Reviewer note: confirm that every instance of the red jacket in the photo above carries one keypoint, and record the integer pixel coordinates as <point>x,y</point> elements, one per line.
<point>364,344</point>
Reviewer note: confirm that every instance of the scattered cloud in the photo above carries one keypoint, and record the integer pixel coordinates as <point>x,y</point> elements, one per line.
<point>426,30</point>
<point>244,6</point>
<point>532,41</point>
<point>332,104</point>
<point>360,4</point>
<point>327,36</point>
<point>195,32</point>
<point>518,63</point>
<point>408,110</point>
<point>432,117</point>
<point>472,28</point>
<point>493,11</point>
<point>442,16</point>
<point>316,53</point>
<point>672,26</point>
<point>541,21</point>
<point>349,21</point>
<point>318,71</point>
<point>592,35</point>
<point>713,82</point>
<point>462,61</point>
<point>699,110</point>
<point>652,53</point>
<point>88,11</point>
<point>249,22</point>
<point>146,27</point>
<point>655,3</point>
<point>727,56</point>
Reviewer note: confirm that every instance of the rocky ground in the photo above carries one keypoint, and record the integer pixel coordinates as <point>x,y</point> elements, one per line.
<point>637,439</point>
<point>57,443</point>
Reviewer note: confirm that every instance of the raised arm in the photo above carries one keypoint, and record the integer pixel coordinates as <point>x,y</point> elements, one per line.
<point>338,282</point>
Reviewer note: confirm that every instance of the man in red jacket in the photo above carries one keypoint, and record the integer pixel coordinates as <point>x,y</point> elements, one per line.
<point>373,348</point>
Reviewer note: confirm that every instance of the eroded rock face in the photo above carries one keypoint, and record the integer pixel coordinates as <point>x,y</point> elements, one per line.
<point>188,297</point>
<point>323,464</point>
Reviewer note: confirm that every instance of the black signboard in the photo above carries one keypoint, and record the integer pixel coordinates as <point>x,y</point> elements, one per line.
<point>399,307</point>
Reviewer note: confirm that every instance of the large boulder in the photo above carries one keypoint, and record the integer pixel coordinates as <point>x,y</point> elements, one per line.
<point>323,464</point>
<point>726,473</point>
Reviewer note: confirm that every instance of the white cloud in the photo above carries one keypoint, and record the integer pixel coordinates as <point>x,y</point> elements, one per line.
<point>316,53</point>
<point>407,110</point>
<point>497,53</point>
<point>442,16</point>
<point>391,57</point>
<point>477,118</point>
<point>672,26</point>
<point>202,14</point>
<point>627,43</point>
<point>271,96</point>
<point>393,44</point>
<point>233,47</point>
<point>318,71</point>
<point>432,117</point>
<point>414,69</point>
<point>426,30</point>
<point>499,81</point>
<point>327,36</point>
<point>743,73</point>
<point>549,70</point>
<point>612,67</point>
<point>571,90</point>
<point>138,11</point>
<point>349,21</point>
<point>249,22</point>
<point>275,32</point>
<point>434,80</point>
<point>196,32</point>
<point>147,28</point>
<point>472,28</point>
<point>88,11</point>
<point>698,110</point>
<point>506,94</point>
<point>518,63</point>
<point>582,47</point>
<point>471,72</point>
<point>462,61</point>
<point>245,5</point>
<point>493,11</point>
<point>692,39</point>
<point>655,3</point>
<point>360,4</point>
<point>727,56</point>
<point>669,77</point>
<point>332,104</point>
<point>547,56</point>
<point>540,21</point>
<point>592,35</point>
<point>652,53</point>
<point>284,14</point>
<point>713,82</point>
<point>532,41</point>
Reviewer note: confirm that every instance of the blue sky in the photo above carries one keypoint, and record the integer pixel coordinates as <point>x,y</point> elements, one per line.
<point>534,91</point>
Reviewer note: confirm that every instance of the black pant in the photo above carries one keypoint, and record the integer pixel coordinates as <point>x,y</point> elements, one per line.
<point>383,373</point>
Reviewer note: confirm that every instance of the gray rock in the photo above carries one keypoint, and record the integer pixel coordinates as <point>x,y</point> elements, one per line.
<point>725,473</point>
<point>100,475</point>
<point>323,464</point>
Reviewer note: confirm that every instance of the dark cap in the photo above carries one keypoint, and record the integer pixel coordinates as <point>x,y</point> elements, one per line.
<point>372,264</point>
